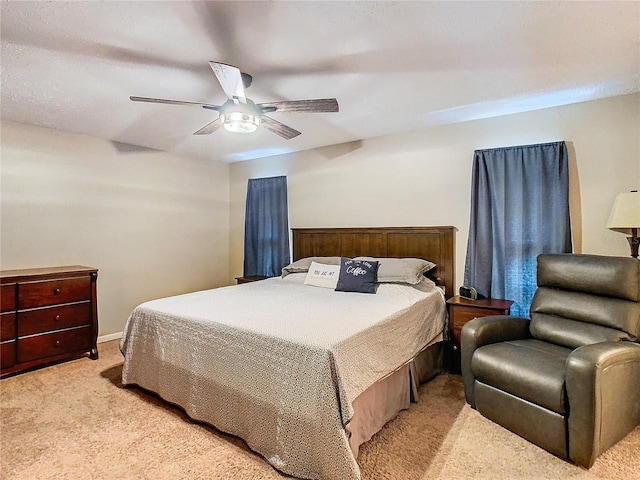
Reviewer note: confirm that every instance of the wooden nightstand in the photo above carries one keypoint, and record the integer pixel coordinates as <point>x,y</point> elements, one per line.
<point>461,310</point>
<point>249,278</point>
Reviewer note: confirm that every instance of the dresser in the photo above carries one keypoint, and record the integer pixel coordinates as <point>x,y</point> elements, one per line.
<point>48,315</point>
<point>462,310</point>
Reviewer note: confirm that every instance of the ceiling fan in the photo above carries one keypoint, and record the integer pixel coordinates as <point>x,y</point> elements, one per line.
<point>239,114</point>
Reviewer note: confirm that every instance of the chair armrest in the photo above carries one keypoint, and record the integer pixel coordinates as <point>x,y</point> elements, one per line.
<point>603,392</point>
<point>483,331</point>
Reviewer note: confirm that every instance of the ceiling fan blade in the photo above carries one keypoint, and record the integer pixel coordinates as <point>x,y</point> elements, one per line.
<point>319,105</point>
<point>230,79</point>
<point>209,128</point>
<point>174,102</point>
<point>278,128</point>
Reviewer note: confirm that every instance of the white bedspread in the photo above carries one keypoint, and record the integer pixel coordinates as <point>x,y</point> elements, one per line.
<point>278,363</point>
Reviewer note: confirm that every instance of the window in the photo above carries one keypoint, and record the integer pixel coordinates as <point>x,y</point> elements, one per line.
<point>266,227</point>
<point>519,209</point>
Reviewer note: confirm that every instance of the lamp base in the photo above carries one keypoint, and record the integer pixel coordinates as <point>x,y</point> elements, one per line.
<point>634,243</point>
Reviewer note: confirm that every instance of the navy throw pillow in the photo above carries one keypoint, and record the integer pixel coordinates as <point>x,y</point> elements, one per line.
<point>357,276</point>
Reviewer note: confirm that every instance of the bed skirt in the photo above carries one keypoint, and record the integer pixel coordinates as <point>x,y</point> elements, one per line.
<point>383,400</point>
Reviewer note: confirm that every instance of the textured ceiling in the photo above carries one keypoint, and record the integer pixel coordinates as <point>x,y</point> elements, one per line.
<point>393,66</point>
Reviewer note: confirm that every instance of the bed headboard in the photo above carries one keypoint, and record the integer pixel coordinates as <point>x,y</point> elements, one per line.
<point>430,243</point>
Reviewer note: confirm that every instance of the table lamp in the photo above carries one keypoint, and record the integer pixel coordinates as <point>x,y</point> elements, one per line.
<point>625,218</point>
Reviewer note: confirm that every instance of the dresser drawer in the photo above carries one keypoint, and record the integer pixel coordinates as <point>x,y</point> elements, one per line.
<point>7,326</point>
<point>54,318</point>
<point>52,292</point>
<point>8,297</point>
<point>7,354</point>
<point>462,315</point>
<point>50,344</point>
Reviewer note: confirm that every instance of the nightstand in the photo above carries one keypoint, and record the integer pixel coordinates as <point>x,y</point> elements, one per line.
<point>461,310</point>
<point>249,278</point>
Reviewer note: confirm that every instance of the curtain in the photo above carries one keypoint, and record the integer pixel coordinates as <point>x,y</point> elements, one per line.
<point>266,227</point>
<point>519,209</point>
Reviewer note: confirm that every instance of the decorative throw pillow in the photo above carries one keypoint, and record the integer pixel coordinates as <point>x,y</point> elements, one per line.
<point>320,275</point>
<point>357,276</point>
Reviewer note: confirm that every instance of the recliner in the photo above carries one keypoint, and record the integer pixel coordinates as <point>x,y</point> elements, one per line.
<point>568,379</point>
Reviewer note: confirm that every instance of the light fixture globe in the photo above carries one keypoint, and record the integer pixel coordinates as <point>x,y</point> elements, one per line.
<point>240,118</point>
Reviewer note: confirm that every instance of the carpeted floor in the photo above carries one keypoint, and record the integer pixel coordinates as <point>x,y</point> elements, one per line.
<point>76,421</point>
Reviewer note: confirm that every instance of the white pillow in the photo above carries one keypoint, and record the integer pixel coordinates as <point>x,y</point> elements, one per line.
<point>321,275</point>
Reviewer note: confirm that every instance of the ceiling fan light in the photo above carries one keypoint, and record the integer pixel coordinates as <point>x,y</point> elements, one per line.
<point>240,122</point>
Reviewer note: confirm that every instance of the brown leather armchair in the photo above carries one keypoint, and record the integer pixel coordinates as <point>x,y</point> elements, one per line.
<point>568,379</point>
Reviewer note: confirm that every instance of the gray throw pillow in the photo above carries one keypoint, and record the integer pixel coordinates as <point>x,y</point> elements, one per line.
<point>401,270</point>
<point>302,265</point>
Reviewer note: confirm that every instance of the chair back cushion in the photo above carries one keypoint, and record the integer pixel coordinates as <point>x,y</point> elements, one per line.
<point>605,276</point>
<point>585,299</point>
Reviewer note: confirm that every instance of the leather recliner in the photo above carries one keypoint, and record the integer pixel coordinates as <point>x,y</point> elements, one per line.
<point>568,379</point>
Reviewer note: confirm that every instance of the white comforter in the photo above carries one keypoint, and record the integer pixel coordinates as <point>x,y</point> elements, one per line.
<point>278,363</point>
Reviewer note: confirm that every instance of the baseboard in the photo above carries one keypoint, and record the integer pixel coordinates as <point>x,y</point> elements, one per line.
<point>111,336</point>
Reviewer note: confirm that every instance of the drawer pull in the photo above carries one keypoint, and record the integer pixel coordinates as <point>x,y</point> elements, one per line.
<point>56,291</point>
<point>57,344</point>
<point>57,317</point>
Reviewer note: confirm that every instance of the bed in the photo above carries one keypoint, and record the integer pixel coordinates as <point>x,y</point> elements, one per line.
<point>303,374</point>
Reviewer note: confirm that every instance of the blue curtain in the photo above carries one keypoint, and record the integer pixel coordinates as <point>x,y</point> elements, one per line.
<point>266,227</point>
<point>519,209</point>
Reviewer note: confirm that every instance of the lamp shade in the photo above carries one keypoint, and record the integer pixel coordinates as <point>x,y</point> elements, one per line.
<point>625,214</point>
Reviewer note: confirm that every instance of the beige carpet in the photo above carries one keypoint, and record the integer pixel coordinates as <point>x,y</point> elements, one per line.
<point>76,421</point>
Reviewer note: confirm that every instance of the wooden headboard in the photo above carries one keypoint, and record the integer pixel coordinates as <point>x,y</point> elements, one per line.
<point>435,244</point>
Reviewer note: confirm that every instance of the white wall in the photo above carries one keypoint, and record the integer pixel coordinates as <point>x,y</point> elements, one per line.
<point>158,224</point>
<point>154,224</point>
<point>423,177</point>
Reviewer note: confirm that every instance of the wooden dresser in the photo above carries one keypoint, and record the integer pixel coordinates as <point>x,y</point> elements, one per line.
<point>49,315</point>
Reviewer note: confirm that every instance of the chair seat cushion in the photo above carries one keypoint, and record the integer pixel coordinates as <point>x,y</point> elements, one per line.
<point>530,369</point>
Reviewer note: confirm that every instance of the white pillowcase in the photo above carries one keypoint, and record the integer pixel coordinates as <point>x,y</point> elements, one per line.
<point>321,275</point>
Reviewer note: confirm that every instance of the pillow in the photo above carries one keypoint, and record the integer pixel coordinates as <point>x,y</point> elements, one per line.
<point>401,270</point>
<point>295,278</point>
<point>357,276</point>
<point>303,264</point>
<point>320,275</point>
